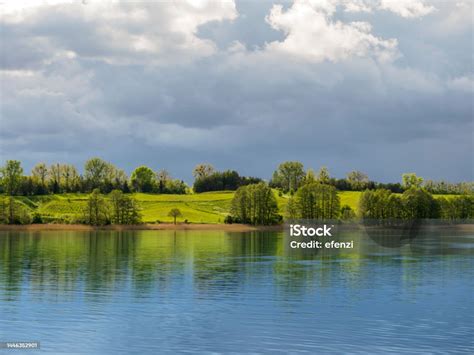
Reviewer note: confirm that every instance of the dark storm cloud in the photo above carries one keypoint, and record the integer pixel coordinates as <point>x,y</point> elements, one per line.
<point>229,90</point>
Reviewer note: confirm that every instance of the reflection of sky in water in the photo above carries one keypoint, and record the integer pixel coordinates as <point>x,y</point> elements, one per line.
<point>130,292</point>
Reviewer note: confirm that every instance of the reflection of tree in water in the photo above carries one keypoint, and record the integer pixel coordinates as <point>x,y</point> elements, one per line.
<point>60,262</point>
<point>392,233</point>
<point>239,262</point>
<point>300,271</point>
<point>98,263</point>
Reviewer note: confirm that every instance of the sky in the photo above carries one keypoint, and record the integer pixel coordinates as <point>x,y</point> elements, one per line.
<point>381,86</point>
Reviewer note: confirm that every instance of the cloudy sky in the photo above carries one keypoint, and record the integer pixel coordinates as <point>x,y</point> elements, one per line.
<point>383,86</point>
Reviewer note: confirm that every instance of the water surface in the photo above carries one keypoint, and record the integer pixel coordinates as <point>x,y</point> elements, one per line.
<point>195,291</point>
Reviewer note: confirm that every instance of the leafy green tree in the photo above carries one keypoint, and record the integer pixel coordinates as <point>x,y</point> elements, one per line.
<point>176,186</point>
<point>225,180</point>
<point>255,204</point>
<point>310,177</point>
<point>55,178</point>
<point>374,204</point>
<point>96,171</point>
<point>39,174</point>
<point>13,212</point>
<point>114,178</point>
<point>410,180</point>
<point>318,201</point>
<point>289,176</point>
<point>96,211</point>
<point>323,176</point>
<point>175,213</point>
<point>11,175</point>
<point>70,178</point>
<point>419,203</point>
<point>124,209</point>
<point>357,180</point>
<point>143,179</point>
<point>455,208</point>
<point>291,210</point>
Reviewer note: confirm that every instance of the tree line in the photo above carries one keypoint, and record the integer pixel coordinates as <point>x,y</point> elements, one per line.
<point>98,174</point>
<point>310,195</point>
<point>206,178</point>
<point>291,175</point>
<point>287,178</point>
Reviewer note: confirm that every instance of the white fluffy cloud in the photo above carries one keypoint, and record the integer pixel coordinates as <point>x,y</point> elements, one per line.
<point>312,33</point>
<point>119,32</point>
<point>407,8</point>
<point>403,8</point>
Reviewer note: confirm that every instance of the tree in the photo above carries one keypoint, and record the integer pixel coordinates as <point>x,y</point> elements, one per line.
<point>419,203</point>
<point>143,179</point>
<point>114,178</point>
<point>40,174</point>
<point>96,209</point>
<point>459,207</point>
<point>95,172</point>
<point>289,176</point>
<point>323,175</point>
<point>11,176</point>
<point>176,186</point>
<point>410,180</point>
<point>162,177</point>
<point>202,171</point>
<point>125,209</point>
<point>310,177</point>
<point>175,213</point>
<point>255,204</point>
<point>55,178</point>
<point>357,180</point>
<point>376,204</point>
<point>13,212</point>
<point>318,201</point>
<point>70,177</point>
<point>219,181</point>
<point>291,210</point>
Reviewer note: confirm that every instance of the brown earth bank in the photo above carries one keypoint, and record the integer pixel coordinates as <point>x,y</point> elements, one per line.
<point>161,226</point>
<point>467,227</point>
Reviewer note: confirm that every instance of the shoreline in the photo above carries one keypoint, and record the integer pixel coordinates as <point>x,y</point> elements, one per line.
<point>468,227</point>
<point>146,226</point>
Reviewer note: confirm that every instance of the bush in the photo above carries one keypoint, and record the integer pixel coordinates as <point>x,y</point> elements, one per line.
<point>347,213</point>
<point>37,218</point>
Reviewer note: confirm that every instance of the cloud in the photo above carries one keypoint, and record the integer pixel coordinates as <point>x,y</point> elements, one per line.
<point>313,34</point>
<point>114,32</point>
<point>407,8</point>
<point>174,84</point>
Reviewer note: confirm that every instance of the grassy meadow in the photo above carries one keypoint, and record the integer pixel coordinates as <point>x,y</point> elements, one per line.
<point>207,207</point>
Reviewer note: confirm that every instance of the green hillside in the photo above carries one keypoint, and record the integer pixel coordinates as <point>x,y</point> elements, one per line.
<point>208,207</point>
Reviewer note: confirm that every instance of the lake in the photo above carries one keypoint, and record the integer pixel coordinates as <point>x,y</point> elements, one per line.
<point>217,292</point>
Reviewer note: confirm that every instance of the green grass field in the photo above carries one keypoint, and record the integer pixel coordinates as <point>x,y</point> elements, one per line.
<point>208,207</point>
